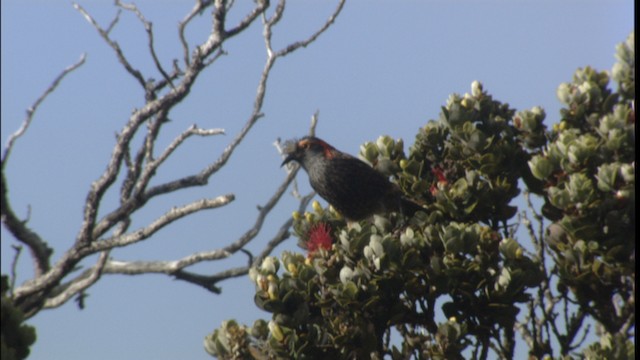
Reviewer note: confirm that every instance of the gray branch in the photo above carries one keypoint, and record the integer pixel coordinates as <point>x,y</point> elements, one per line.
<point>40,250</point>
<point>55,285</point>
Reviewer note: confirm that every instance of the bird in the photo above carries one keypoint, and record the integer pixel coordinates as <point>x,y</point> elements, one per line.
<point>355,189</point>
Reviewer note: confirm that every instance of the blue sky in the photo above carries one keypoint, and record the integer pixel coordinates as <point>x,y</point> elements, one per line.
<point>383,68</point>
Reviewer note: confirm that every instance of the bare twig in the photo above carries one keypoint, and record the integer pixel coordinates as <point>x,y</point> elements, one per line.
<point>283,232</point>
<point>279,237</point>
<point>113,22</point>
<point>154,107</point>
<point>39,249</point>
<point>148,27</point>
<point>219,34</point>
<point>14,265</point>
<point>201,280</point>
<point>71,257</point>
<point>268,25</point>
<point>47,288</point>
<point>264,210</point>
<point>176,267</point>
<point>528,337</point>
<point>138,179</point>
<point>114,45</point>
<point>196,10</point>
<point>304,43</point>
<point>151,168</point>
<point>164,220</point>
<point>215,57</point>
<point>248,19</point>
<point>32,109</point>
<point>94,274</point>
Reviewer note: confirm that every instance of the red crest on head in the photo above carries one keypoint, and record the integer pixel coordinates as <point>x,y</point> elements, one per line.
<point>328,150</point>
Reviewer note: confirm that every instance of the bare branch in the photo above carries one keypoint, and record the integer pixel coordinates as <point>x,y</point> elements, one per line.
<point>268,25</point>
<point>256,114</point>
<point>46,288</point>
<point>159,108</point>
<point>100,186</point>
<point>14,265</point>
<point>528,337</point>
<point>201,178</point>
<point>210,282</point>
<point>145,153</point>
<point>169,217</point>
<point>196,10</point>
<point>283,232</point>
<point>32,109</point>
<point>244,23</point>
<point>264,211</point>
<point>176,267</point>
<point>39,249</point>
<point>176,73</point>
<point>219,34</point>
<point>259,99</point>
<point>71,257</point>
<point>113,22</point>
<point>201,280</point>
<point>280,236</point>
<point>148,27</point>
<point>151,168</point>
<point>138,179</point>
<point>304,43</point>
<point>314,123</point>
<point>215,57</point>
<point>153,107</point>
<point>114,45</point>
<point>153,129</point>
<point>55,300</point>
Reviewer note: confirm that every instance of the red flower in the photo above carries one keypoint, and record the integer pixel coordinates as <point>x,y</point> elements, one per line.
<point>439,174</point>
<point>319,238</point>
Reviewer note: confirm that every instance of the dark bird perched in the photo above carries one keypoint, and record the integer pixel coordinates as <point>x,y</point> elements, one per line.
<point>349,184</point>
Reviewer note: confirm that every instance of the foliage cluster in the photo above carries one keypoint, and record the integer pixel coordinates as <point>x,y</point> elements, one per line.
<point>16,337</point>
<point>460,260</point>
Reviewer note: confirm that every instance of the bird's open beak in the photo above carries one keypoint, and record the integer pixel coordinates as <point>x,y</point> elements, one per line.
<point>288,159</point>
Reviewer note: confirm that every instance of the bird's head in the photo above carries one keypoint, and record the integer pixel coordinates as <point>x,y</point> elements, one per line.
<point>306,150</point>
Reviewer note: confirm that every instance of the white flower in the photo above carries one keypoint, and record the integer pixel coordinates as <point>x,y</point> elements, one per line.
<point>346,274</point>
